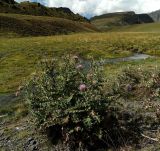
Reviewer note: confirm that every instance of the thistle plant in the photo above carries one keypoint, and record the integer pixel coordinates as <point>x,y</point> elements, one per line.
<point>74,105</point>
<point>64,94</point>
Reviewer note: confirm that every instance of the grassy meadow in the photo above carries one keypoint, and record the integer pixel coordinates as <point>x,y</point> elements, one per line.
<point>19,56</point>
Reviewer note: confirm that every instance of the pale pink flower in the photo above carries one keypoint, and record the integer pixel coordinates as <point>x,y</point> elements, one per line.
<point>79,67</point>
<point>82,87</point>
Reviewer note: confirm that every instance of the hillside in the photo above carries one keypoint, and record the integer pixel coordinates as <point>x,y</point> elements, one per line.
<point>108,21</point>
<point>27,25</point>
<point>155,16</point>
<point>149,27</point>
<point>33,8</point>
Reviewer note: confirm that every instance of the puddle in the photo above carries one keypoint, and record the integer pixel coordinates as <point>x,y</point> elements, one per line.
<point>6,99</point>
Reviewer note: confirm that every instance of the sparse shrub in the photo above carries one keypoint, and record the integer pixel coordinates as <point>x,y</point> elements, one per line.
<point>139,90</point>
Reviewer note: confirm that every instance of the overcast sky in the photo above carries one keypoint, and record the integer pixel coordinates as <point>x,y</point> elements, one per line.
<point>96,7</point>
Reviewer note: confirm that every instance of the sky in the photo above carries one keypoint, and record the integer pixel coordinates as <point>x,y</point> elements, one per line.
<point>91,8</point>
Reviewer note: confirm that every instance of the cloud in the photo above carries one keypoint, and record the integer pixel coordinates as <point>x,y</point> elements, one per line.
<point>97,7</point>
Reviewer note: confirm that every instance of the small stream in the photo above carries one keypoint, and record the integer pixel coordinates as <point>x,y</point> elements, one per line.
<point>7,98</point>
<point>134,57</point>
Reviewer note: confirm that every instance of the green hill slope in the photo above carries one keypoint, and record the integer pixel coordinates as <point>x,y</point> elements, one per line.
<point>27,25</point>
<point>150,27</point>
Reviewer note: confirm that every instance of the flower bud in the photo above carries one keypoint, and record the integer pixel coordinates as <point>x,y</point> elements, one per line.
<point>82,87</point>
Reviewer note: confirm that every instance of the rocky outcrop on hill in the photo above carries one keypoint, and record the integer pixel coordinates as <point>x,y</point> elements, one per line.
<point>37,9</point>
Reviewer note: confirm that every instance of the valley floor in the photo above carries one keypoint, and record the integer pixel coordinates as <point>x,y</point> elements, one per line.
<point>19,57</point>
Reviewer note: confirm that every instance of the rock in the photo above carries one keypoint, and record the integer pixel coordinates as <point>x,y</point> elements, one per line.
<point>31,145</point>
<point>19,128</point>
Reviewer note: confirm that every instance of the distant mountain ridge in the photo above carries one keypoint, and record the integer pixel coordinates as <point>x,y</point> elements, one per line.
<point>107,21</point>
<point>37,9</point>
<point>155,15</point>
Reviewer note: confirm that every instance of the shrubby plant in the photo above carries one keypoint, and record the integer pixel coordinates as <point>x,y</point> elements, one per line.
<point>74,106</point>
<point>68,101</point>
